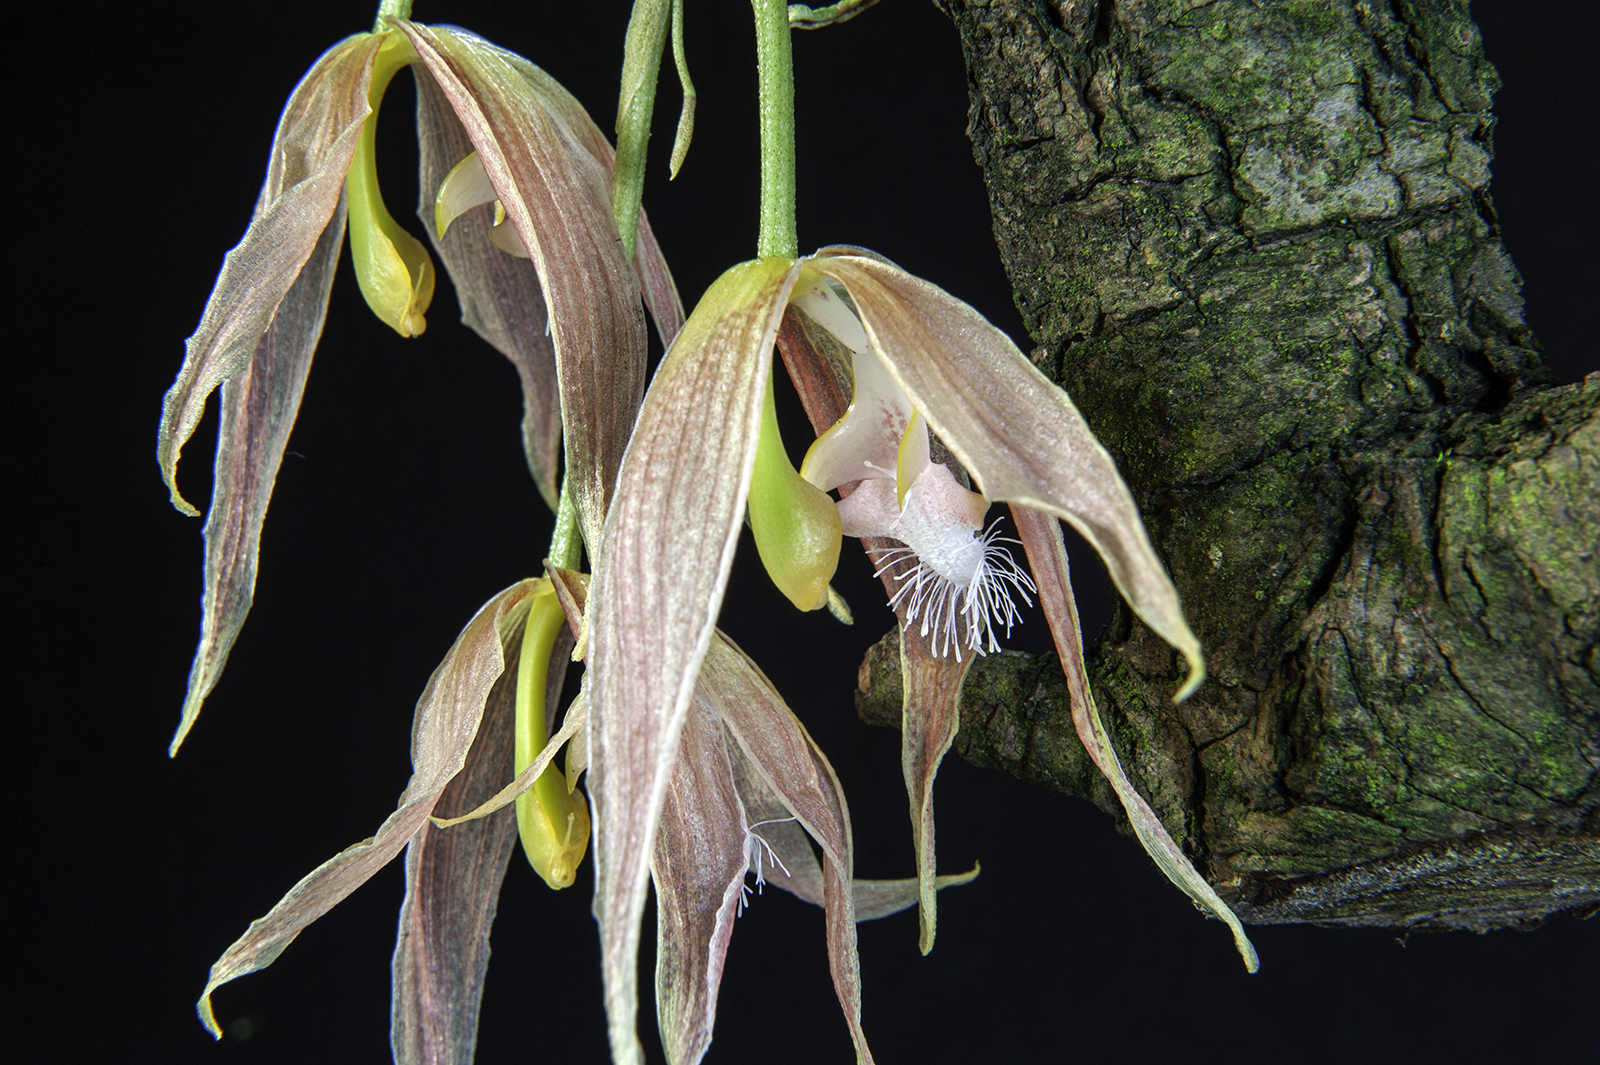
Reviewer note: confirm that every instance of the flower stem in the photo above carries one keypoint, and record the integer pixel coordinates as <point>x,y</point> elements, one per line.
<point>566,543</point>
<point>775,69</point>
<point>388,9</point>
<point>641,66</point>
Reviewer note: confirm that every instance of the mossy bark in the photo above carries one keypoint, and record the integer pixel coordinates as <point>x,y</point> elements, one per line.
<point>1255,243</point>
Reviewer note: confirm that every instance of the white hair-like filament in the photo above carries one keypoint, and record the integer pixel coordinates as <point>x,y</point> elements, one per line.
<point>983,603</point>
<point>756,845</point>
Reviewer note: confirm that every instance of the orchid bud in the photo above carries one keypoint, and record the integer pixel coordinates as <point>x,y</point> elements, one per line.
<point>392,266</point>
<point>796,524</point>
<point>553,822</point>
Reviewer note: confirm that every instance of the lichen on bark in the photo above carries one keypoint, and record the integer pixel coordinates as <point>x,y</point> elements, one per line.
<point>1255,243</point>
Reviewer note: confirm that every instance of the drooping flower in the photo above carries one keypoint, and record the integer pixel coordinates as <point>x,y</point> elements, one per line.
<point>548,167</point>
<point>670,536</point>
<point>446,725</point>
<point>919,503</point>
<point>747,789</point>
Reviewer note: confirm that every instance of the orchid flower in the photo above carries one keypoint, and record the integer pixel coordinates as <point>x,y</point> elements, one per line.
<point>958,573</point>
<point>926,359</point>
<point>437,949</point>
<point>500,130</point>
<point>1001,420</point>
<point>748,787</point>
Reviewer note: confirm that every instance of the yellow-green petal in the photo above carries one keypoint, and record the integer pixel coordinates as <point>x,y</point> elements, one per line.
<point>912,457</point>
<point>796,525</point>
<point>553,822</point>
<point>392,267</point>
<point>465,187</point>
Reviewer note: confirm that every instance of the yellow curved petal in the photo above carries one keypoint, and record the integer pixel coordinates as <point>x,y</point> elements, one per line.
<point>392,267</point>
<point>796,525</point>
<point>465,187</point>
<point>505,237</point>
<point>911,458</point>
<point>553,822</point>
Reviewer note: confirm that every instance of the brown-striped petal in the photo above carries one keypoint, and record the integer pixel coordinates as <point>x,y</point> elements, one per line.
<point>500,296</point>
<point>259,405</point>
<point>784,858</point>
<point>453,882</point>
<point>557,196</point>
<point>660,292</point>
<point>1047,555</point>
<point>930,716</point>
<point>698,869</point>
<point>659,581</point>
<point>782,755</point>
<point>311,151</point>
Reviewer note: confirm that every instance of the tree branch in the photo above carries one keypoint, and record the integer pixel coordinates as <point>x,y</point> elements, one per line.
<point>1256,245</point>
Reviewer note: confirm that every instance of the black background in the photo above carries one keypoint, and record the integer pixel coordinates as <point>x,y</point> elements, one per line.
<point>138,141</point>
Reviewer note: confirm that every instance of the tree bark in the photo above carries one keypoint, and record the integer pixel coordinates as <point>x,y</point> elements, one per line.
<point>1255,243</point>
